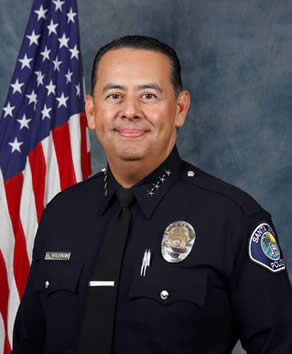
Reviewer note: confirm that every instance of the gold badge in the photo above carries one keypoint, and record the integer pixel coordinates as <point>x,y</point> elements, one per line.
<point>177,242</point>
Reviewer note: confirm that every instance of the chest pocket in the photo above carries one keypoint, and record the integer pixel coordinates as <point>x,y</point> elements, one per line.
<point>176,285</point>
<point>52,276</point>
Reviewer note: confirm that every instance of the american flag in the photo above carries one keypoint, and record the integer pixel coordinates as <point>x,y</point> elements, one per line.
<point>44,144</point>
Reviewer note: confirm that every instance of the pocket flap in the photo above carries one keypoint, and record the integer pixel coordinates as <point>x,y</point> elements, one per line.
<point>55,275</point>
<point>178,285</point>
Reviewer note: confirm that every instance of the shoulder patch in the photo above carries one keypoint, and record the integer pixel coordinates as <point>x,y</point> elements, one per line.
<point>264,249</point>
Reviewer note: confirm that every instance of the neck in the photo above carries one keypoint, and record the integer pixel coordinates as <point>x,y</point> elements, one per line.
<point>129,173</point>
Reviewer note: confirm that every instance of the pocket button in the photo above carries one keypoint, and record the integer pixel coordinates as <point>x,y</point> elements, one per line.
<point>164,295</point>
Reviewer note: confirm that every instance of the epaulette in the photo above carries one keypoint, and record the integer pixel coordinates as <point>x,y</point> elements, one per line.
<point>214,184</point>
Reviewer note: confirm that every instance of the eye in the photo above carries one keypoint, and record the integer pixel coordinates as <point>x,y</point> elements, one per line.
<point>149,96</point>
<point>114,96</point>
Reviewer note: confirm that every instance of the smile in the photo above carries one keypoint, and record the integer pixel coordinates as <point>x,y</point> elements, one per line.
<point>131,133</point>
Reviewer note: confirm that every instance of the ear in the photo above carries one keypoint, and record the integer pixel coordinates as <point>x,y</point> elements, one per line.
<point>90,111</point>
<point>182,107</point>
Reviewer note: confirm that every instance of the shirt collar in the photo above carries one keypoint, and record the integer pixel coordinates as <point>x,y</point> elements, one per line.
<point>149,191</point>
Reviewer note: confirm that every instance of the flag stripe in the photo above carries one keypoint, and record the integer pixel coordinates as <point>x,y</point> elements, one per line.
<point>28,206</point>
<point>52,185</point>
<point>13,303</point>
<point>74,125</point>
<point>13,188</point>
<point>2,330</point>
<point>61,136</point>
<point>85,162</point>
<point>7,247</point>
<point>4,295</point>
<point>38,169</point>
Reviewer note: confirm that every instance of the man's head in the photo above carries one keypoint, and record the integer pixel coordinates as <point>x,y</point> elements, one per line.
<point>146,43</point>
<point>136,106</point>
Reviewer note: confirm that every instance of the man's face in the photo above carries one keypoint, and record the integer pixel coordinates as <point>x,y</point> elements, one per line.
<point>134,110</point>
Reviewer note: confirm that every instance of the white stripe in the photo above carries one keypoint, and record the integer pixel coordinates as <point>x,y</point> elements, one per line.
<point>13,304</point>
<point>101,283</point>
<point>7,242</point>
<point>75,140</point>
<point>2,334</point>
<point>87,139</point>
<point>52,183</point>
<point>6,231</point>
<point>28,213</point>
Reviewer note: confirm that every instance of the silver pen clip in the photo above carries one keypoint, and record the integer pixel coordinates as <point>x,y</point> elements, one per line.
<point>145,262</point>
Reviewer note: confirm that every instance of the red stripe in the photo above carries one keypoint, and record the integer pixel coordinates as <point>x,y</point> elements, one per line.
<point>13,188</point>
<point>7,347</point>
<point>61,136</point>
<point>38,170</point>
<point>4,294</point>
<point>85,156</point>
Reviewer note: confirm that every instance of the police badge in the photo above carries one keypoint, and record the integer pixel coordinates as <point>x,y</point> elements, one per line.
<point>177,242</point>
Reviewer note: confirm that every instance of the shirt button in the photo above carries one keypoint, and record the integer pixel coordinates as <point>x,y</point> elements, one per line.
<point>164,295</point>
<point>47,284</point>
<point>190,173</point>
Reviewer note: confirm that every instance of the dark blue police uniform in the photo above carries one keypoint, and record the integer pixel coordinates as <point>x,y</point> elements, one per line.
<point>233,284</point>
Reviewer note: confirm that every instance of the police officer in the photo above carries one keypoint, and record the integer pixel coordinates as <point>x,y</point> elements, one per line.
<point>201,265</point>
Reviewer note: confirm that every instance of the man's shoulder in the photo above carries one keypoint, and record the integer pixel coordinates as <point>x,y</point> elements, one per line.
<point>83,191</point>
<point>218,189</point>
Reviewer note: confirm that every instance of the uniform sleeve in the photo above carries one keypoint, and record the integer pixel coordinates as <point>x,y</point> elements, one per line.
<point>260,289</point>
<point>29,326</point>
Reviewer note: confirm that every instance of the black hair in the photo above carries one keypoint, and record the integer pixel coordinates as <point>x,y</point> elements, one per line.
<point>142,42</point>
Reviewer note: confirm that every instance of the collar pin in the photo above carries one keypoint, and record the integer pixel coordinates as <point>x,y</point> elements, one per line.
<point>157,185</point>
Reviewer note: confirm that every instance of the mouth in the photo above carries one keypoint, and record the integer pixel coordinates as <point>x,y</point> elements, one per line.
<point>131,133</point>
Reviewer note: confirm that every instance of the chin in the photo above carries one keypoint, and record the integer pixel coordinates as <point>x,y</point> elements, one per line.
<point>130,157</point>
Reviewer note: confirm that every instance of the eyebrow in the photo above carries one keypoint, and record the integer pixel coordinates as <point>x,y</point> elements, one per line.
<point>113,86</point>
<point>152,86</point>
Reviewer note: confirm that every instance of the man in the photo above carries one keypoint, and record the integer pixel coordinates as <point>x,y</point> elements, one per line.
<point>200,265</point>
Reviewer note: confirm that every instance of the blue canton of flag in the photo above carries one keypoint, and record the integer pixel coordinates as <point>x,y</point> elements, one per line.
<point>44,144</point>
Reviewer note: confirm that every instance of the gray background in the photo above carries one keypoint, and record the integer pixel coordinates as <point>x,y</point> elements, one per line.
<point>236,57</point>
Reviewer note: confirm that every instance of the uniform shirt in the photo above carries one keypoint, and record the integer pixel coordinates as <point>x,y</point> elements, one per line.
<point>225,289</point>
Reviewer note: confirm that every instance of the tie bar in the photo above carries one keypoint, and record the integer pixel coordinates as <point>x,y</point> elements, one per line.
<point>101,283</point>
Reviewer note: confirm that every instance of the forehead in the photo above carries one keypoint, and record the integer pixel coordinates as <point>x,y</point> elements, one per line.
<point>133,64</point>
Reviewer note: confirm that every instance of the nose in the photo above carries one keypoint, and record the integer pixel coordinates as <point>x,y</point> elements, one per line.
<point>130,108</point>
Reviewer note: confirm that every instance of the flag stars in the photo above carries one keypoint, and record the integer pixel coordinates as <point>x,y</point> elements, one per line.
<point>46,54</point>
<point>32,98</point>
<point>64,41</point>
<point>17,86</point>
<point>69,76</point>
<point>74,52</point>
<point>15,145</point>
<point>77,90</point>
<point>57,64</point>
<point>25,62</point>
<point>24,122</point>
<point>33,38</point>
<point>52,27</point>
<point>41,13</point>
<point>8,109</point>
<point>71,15</point>
<point>40,78</point>
<point>46,112</point>
<point>51,88</point>
<point>58,4</point>
<point>62,100</point>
